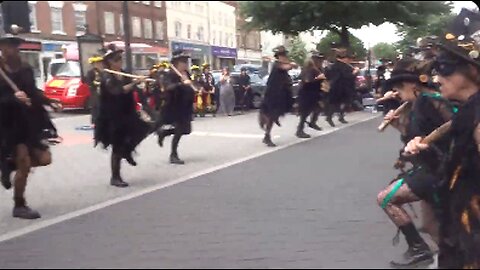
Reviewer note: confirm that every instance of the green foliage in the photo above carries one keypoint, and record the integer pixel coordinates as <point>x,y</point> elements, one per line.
<point>298,52</point>
<point>356,45</point>
<point>384,50</point>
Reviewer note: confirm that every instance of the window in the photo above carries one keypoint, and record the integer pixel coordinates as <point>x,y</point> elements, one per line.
<point>231,40</point>
<point>226,40</point>
<point>57,19</point>
<point>147,28</point>
<point>214,35</point>
<point>109,23</point>
<point>200,33</point>
<point>189,31</point>
<point>136,27</point>
<point>220,38</point>
<point>120,24</point>
<point>157,3</point>
<point>80,21</point>
<point>159,30</point>
<point>178,29</point>
<point>147,3</point>
<point>33,17</point>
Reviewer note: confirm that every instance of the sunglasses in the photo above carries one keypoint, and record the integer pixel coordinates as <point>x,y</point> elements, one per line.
<point>445,68</point>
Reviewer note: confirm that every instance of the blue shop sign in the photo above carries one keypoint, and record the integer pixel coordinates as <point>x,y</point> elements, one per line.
<point>224,52</point>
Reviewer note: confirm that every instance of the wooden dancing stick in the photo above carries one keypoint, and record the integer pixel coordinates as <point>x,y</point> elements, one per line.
<point>438,133</point>
<point>128,75</point>
<point>181,76</point>
<point>397,112</point>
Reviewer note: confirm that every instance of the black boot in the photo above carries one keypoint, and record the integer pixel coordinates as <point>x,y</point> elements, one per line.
<point>116,180</point>
<point>21,210</point>
<point>418,253</point>
<point>7,167</point>
<point>330,121</point>
<point>342,120</point>
<point>302,135</point>
<point>315,126</point>
<point>130,159</point>
<point>268,141</point>
<point>174,159</point>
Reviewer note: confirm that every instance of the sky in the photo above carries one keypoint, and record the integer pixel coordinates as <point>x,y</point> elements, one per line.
<point>372,35</point>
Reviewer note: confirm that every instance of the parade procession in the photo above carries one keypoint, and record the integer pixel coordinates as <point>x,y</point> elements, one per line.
<point>211,183</point>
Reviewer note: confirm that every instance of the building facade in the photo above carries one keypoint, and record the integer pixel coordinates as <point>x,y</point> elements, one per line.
<point>222,33</point>
<point>187,29</point>
<point>58,23</point>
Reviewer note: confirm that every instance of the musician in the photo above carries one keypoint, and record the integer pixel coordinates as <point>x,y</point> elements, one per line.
<point>25,125</point>
<point>118,124</point>
<point>428,111</point>
<point>211,90</point>
<point>201,97</point>
<point>93,78</point>
<point>178,108</point>
<point>341,76</point>
<point>278,96</point>
<point>159,87</point>
<point>458,67</point>
<point>310,93</point>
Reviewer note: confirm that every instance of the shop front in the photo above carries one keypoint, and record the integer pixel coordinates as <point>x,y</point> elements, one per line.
<point>199,53</point>
<point>223,57</point>
<point>249,57</point>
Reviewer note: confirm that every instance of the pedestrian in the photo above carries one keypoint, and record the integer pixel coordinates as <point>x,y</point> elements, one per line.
<point>458,69</point>
<point>429,111</point>
<point>176,115</point>
<point>278,98</point>
<point>227,94</point>
<point>25,125</point>
<point>93,78</point>
<point>119,125</point>
<point>246,90</point>
<point>341,77</point>
<point>310,93</point>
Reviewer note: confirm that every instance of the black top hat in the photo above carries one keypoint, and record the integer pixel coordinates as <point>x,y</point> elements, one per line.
<point>280,50</point>
<point>111,51</point>
<point>316,54</point>
<point>463,39</point>
<point>179,54</point>
<point>410,70</point>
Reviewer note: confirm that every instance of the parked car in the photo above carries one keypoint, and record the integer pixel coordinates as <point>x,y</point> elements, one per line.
<point>361,80</point>
<point>67,87</point>
<point>295,83</point>
<point>258,89</point>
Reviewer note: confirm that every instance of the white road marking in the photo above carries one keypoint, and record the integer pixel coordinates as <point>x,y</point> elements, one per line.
<point>49,222</point>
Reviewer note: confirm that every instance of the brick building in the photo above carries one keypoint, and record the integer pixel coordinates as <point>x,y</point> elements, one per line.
<point>57,23</point>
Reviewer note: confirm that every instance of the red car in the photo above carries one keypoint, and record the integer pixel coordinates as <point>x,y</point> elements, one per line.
<point>67,87</point>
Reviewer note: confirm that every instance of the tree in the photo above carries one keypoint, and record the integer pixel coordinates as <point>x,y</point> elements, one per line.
<point>298,52</point>
<point>432,25</point>
<point>292,17</point>
<point>357,46</point>
<point>384,50</point>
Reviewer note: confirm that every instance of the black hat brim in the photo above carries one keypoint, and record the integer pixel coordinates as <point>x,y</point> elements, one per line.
<point>111,55</point>
<point>459,52</point>
<point>400,78</point>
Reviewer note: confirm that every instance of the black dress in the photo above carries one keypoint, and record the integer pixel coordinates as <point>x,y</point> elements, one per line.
<point>179,101</point>
<point>19,123</point>
<point>309,94</point>
<point>342,83</point>
<point>119,124</point>
<point>278,98</point>
<point>460,222</point>
<point>93,81</point>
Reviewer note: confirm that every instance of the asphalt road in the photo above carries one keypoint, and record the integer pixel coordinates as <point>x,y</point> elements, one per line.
<point>310,205</point>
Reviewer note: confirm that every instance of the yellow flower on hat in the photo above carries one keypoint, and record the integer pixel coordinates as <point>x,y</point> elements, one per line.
<point>95,59</point>
<point>449,36</point>
<point>423,78</point>
<point>195,67</point>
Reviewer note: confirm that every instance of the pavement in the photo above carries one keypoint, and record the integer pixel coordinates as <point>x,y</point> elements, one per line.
<point>236,204</point>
